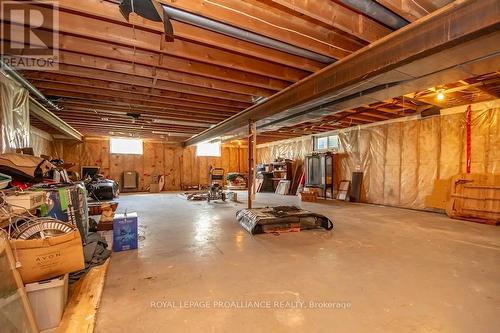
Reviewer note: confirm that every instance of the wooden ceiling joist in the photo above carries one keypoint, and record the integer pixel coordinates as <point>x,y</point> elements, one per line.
<point>255,85</point>
<point>76,82</point>
<point>94,73</point>
<point>130,101</point>
<point>110,67</point>
<point>165,119</point>
<point>414,9</point>
<point>119,34</point>
<point>270,22</point>
<point>105,111</point>
<point>55,88</point>
<point>466,21</point>
<point>80,45</point>
<point>336,16</point>
<point>38,111</point>
<point>106,64</point>
<point>109,11</point>
<point>128,107</point>
<point>138,124</point>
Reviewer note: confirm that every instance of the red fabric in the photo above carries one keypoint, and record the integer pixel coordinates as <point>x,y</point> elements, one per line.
<point>468,128</point>
<point>25,185</point>
<point>302,179</point>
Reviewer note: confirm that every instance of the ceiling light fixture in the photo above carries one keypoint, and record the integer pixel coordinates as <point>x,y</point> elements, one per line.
<point>440,95</point>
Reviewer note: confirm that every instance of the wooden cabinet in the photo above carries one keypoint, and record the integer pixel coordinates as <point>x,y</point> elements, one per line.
<point>319,172</point>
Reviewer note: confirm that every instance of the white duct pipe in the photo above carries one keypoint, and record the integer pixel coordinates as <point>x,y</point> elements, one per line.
<point>376,11</point>
<point>26,84</point>
<point>209,24</point>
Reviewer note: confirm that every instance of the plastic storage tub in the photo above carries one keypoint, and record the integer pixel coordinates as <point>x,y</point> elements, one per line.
<point>4,180</point>
<point>48,299</point>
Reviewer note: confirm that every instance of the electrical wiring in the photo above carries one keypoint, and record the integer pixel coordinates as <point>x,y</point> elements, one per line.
<point>420,6</point>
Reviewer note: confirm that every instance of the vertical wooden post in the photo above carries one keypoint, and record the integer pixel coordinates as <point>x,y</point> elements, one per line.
<point>252,134</point>
<point>254,165</point>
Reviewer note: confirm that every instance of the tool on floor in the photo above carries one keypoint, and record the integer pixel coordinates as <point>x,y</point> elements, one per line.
<point>216,185</point>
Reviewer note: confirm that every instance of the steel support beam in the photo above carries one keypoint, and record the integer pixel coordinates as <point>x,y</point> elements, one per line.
<point>450,26</point>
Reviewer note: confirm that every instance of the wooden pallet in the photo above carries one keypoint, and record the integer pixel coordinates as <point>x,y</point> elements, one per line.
<point>80,313</point>
<point>475,197</point>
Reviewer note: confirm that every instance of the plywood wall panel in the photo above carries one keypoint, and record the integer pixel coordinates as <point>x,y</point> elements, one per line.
<point>153,161</point>
<point>187,167</point>
<point>202,169</point>
<point>180,165</point>
<point>242,159</point>
<point>169,166</point>
<point>177,168</point>
<point>233,159</point>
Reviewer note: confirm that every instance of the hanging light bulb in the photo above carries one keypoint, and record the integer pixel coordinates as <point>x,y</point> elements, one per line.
<point>440,95</point>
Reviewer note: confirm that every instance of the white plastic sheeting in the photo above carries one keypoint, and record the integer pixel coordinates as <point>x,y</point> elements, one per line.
<point>293,149</point>
<point>401,159</point>
<point>14,115</point>
<point>41,142</point>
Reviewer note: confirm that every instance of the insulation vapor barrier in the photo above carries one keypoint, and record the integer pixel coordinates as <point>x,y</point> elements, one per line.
<point>14,113</point>
<point>293,149</point>
<point>401,160</point>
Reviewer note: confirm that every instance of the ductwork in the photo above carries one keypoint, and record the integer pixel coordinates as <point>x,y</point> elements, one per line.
<point>26,84</point>
<point>219,27</point>
<point>377,12</point>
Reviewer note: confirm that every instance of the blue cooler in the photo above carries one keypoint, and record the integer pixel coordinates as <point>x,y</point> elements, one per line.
<point>125,232</point>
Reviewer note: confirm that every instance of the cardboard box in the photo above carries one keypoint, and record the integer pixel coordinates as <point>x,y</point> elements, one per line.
<point>232,196</point>
<point>157,183</point>
<point>125,232</point>
<point>27,200</point>
<point>308,196</point>
<point>47,258</point>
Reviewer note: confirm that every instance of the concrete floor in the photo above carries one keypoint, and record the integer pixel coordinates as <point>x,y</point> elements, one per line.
<point>382,269</point>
